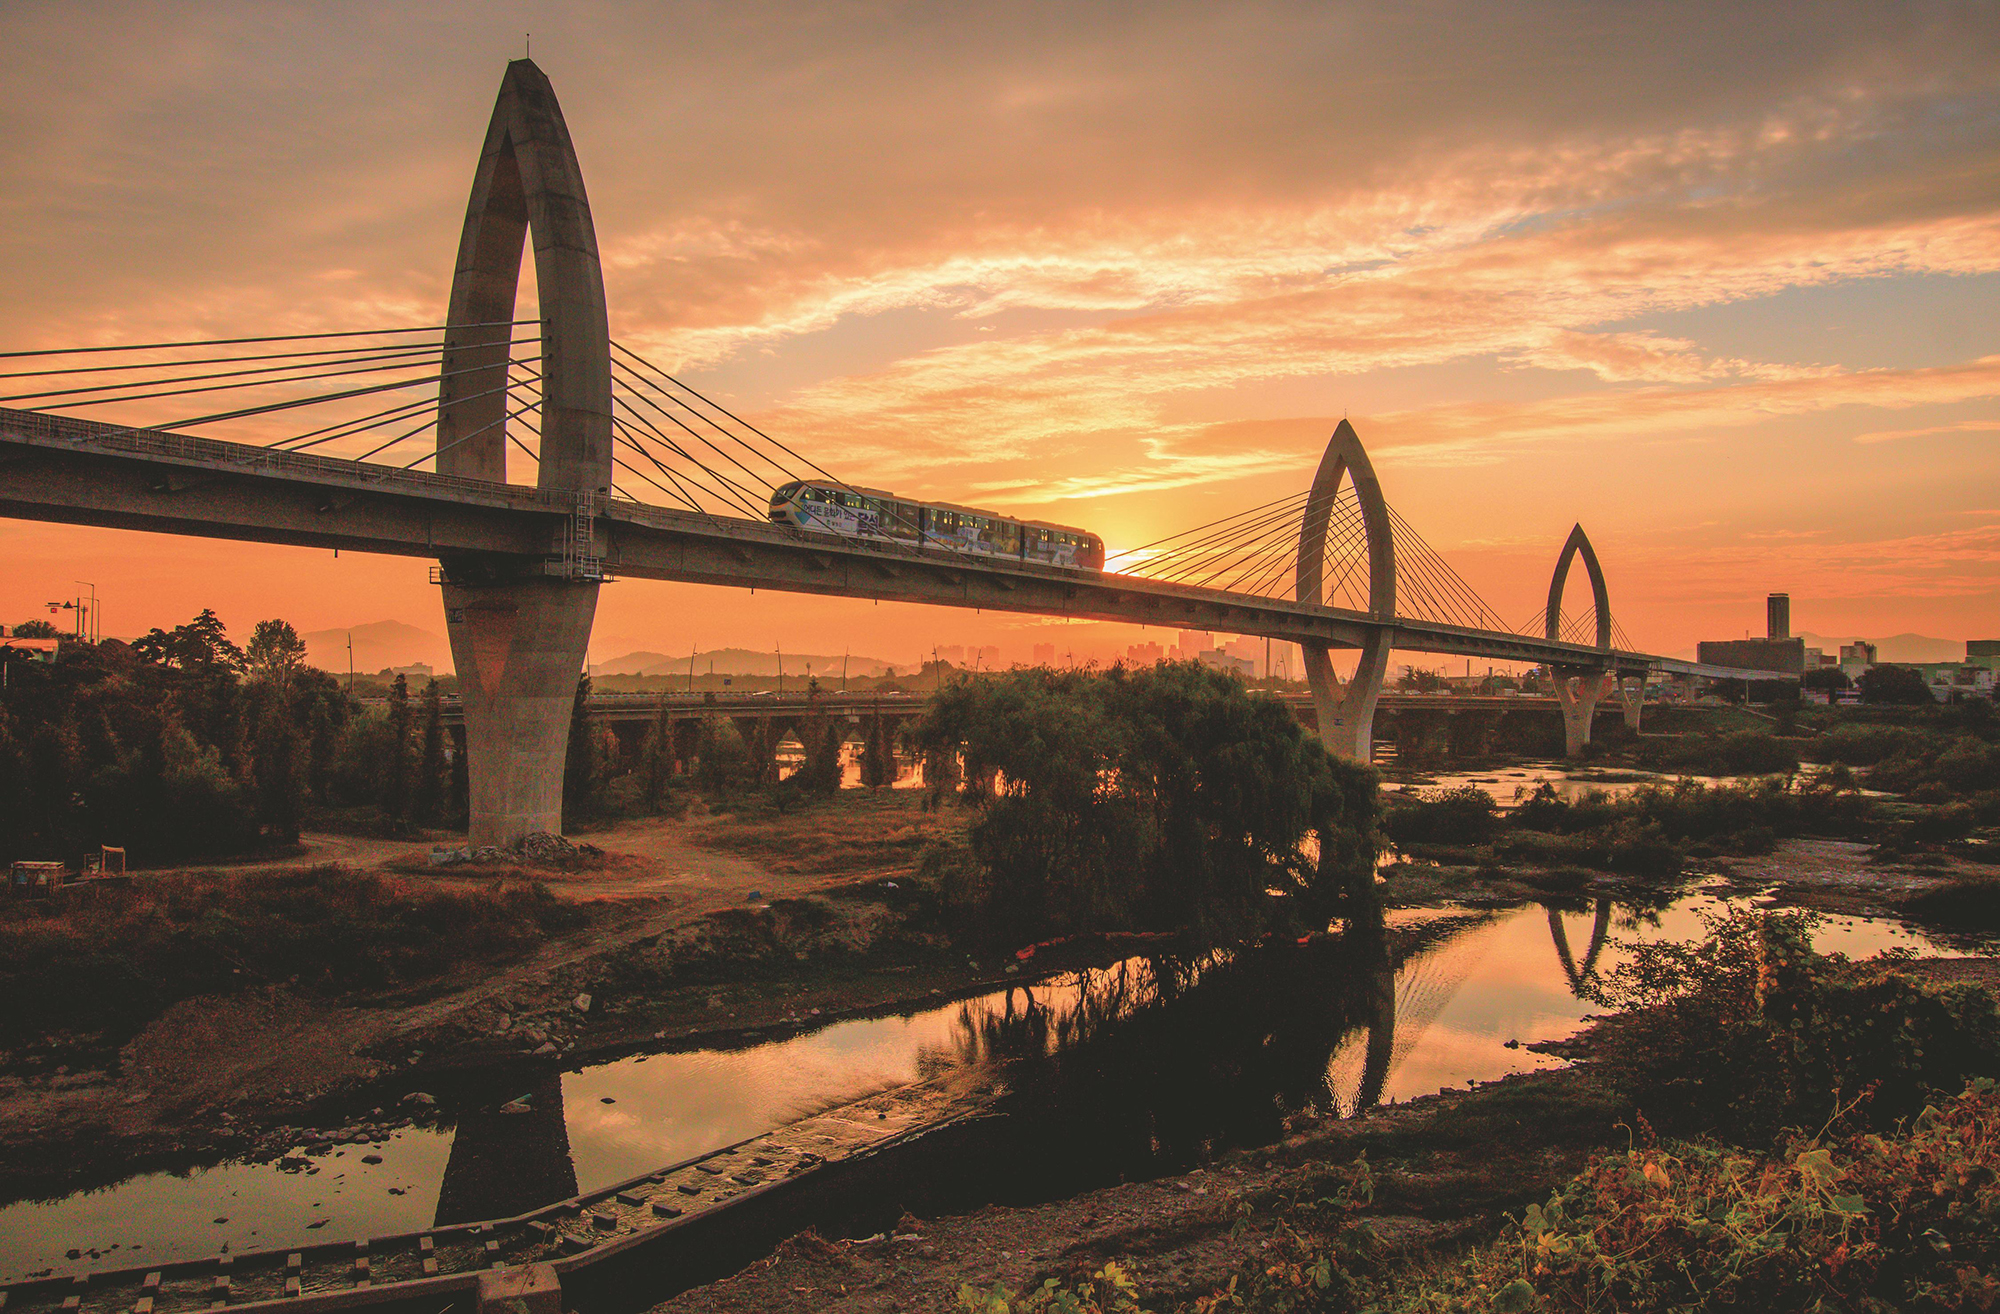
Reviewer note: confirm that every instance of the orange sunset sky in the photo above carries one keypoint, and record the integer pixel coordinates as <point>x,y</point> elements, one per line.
<point>1717,280</point>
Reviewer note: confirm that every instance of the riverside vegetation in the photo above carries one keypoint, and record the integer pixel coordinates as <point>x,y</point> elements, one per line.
<point>1796,1133</point>
<point>1824,1128</point>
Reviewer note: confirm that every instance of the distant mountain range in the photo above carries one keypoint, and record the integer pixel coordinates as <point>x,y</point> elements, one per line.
<point>741,661</point>
<point>378,645</point>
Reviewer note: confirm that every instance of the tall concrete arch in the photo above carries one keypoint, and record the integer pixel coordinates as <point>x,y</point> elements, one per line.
<point>1347,713</point>
<point>520,627</point>
<point>528,182</point>
<point>1579,688</point>
<point>1578,545</point>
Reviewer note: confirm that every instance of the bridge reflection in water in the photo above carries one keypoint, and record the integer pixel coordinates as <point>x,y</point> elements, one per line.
<point>511,1158</point>
<point>1148,1065</point>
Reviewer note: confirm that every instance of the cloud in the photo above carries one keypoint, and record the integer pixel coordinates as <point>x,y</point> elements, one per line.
<point>1133,257</point>
<point>1963,426</point>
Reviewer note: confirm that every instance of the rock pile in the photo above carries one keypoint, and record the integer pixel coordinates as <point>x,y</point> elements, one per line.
<point>539,848</point>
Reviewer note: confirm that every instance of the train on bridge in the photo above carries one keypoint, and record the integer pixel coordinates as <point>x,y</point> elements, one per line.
<point>871,513</point>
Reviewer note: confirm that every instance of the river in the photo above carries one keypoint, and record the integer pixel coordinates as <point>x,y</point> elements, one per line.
<point>1126,1071</point>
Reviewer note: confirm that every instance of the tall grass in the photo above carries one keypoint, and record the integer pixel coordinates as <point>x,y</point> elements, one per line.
<point>108,960</point>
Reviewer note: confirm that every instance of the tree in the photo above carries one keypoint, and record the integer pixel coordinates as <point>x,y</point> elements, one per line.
<point>656,756</point>
<point>201,645</point>
<point>1169,798</point>
<point>1902,685</point>
<point>433,789</point>
<point>1831,679</point>
<point>821,739</point>
<point>275,653</point>
<point>581,768</point>
<point>280,769</point>
<point>878,753</point>
<point>399,770</point>
<point>36,629</point>
<point>722,763</point>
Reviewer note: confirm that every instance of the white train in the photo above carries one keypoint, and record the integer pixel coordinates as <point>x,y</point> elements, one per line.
<point>871,513</point>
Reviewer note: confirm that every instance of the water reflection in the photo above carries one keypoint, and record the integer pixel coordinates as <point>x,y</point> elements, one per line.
<point>1140,1067</point>
<point>510,1159</point>
<point>1599,926</point>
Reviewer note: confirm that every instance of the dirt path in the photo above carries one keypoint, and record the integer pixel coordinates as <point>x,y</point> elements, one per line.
<point>270,1047</point>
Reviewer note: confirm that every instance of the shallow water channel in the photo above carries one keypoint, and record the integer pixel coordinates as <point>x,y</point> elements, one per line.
<point>1126,1071</point>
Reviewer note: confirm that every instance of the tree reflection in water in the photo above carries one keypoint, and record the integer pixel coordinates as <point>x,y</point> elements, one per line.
<point>1145,1066</point>
<point>1155,1064</point>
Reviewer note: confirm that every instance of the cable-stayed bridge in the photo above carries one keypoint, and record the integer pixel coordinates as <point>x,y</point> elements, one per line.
<point>398,441</point>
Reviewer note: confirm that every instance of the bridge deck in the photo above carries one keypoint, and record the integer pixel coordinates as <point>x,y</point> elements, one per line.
<point>54,468</point>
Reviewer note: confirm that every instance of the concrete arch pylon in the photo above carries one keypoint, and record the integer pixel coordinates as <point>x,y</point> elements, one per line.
<point>520,626</point>
<point>1346,713</point>
<point>1578,545</point>
<point>1580,688</point>
<point>528,182</point>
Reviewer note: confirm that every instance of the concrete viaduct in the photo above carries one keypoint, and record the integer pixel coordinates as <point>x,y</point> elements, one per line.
<point>520,566</point>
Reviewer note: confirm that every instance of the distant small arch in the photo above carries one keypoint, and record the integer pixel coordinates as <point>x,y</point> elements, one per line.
<point>1578,544</point>
<point>1345,458</point>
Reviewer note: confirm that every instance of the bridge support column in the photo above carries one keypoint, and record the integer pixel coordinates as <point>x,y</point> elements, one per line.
<point>520,626</point>
<point>1632,697</point>
<point>519,648</point>
<point>1578,694</point>
<point>1346,712</point>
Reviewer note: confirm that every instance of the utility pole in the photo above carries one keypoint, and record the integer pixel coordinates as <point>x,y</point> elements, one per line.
<point>691,656</point>
<point>350,661</point>
<point>781,668</point>
<point>94,629</point>
<point>843,670</point>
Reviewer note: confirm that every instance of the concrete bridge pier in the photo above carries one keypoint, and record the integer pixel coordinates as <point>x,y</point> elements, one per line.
<point>1578,694</point>
<point>519,648</point>
<point>1632,698</point>
<point>1346,711</point>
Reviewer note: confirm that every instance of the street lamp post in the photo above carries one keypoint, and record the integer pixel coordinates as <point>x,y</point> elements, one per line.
<point>95,629</point>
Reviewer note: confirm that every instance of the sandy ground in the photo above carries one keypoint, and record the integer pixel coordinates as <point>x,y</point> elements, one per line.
<point>266,1047</point>
<point>1842,876</point>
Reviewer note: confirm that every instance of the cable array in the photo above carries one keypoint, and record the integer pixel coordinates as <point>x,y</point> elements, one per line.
<point>702,456</point>
<point>254,389</point>
<point>1576,627</point>
<point>1256,552</point>
<point>671,443</point>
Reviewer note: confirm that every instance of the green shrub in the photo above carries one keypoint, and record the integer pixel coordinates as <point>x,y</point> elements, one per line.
<point>1649,822</point>
<point>1971,905</point>
<point>1752,1029</point>
<point>1741,753</point>
<point>1865,745</point>
<point>1959,766</point>
<point>1860,1223</point>
<point>1108,1291</point>
<point>1465,815</point>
